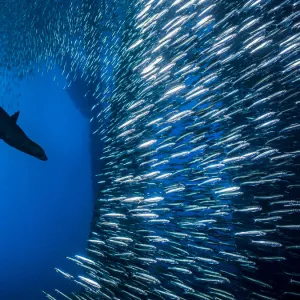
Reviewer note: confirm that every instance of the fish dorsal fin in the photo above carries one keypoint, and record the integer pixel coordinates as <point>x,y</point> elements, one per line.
<point>15,116</point>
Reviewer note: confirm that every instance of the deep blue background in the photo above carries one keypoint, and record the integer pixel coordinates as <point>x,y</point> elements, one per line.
<point>45,207</point>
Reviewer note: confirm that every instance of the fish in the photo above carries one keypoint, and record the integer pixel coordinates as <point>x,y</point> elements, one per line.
<point>195,106</point>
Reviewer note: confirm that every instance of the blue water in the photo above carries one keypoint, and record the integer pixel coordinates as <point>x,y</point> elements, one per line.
<point>45,207</point>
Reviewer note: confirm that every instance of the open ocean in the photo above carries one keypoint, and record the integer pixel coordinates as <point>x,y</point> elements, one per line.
<point>151,149</point>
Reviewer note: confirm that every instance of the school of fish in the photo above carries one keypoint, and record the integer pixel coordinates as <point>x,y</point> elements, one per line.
<point>197,104</point>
